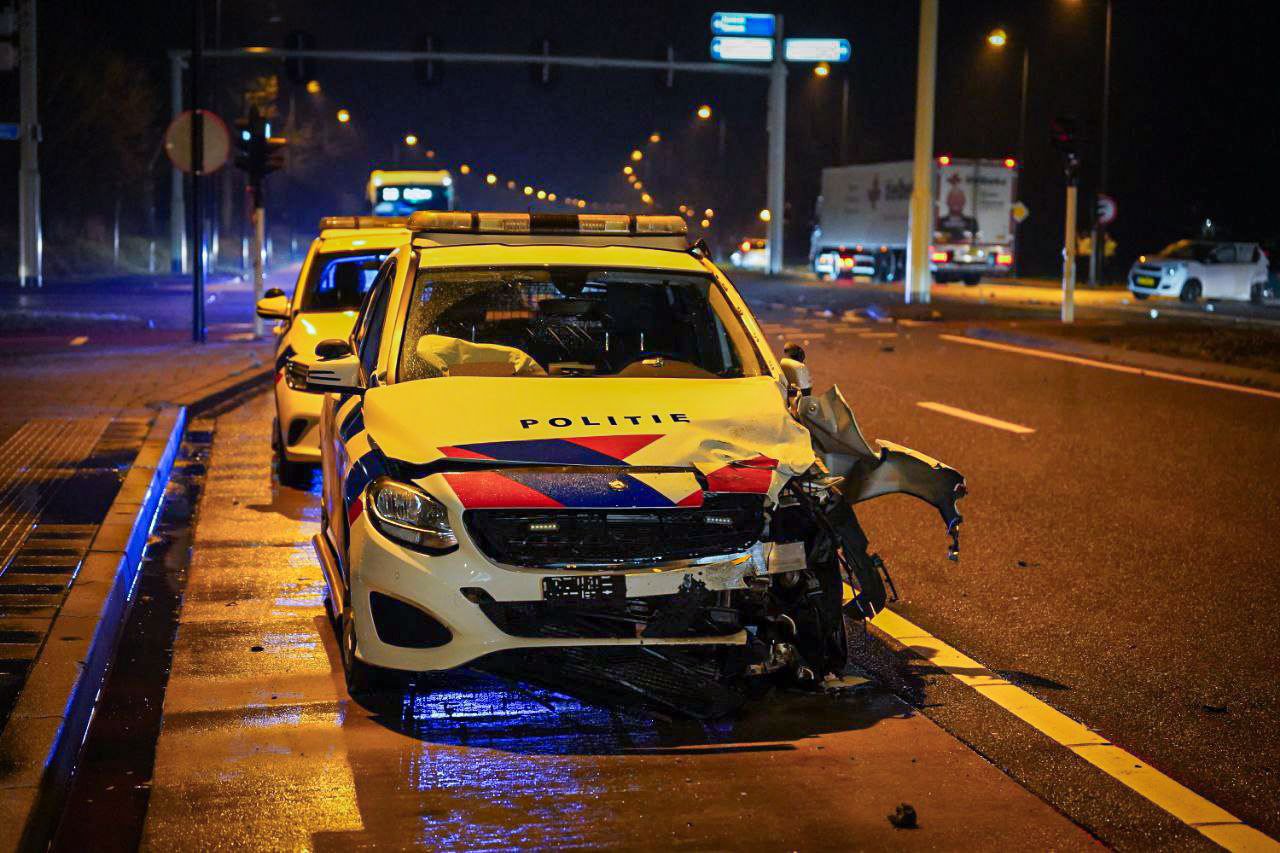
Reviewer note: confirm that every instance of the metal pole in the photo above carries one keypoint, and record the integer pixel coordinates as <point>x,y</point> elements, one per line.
<point>177,205</point>
<point>1099,251</point>
<point>921,217</point>
<point>1022,109</point>
<point>776,188</point>
<point>197,169</point>
<point>258,251</point>
<point>1069,257</point>
<point>30,239</point>
<point>844,121</point>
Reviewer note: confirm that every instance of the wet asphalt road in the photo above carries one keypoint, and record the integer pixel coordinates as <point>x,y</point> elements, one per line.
<point>262,748</point>
<point>1119,562</point>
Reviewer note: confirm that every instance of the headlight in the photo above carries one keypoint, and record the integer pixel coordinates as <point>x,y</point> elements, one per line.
<point>407,514</point>
<point>1170,272</point>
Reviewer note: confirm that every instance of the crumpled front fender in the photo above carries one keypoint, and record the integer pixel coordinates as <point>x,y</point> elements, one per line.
<point>888,469</point>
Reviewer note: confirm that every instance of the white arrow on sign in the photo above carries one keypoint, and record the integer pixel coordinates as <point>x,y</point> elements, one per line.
<point>1106,209</point>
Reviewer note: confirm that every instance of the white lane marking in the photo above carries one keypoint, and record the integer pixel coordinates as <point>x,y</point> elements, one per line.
<point>1118,368</point>
<point>1214,822</point>
<point>976,418</point>
<point>79,341</point>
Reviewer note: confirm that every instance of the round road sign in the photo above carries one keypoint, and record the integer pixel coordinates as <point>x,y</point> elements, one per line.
<point>1019,212</point>
<point>217,142</point>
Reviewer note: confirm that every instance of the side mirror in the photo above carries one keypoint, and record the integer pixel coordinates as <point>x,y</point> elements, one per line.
<point>336,371</point>
<point>274,305</point>
<point>793,367</point>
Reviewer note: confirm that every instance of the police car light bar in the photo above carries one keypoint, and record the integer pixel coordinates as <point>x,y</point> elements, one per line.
<point>355,222</point>
<point>603,224</point>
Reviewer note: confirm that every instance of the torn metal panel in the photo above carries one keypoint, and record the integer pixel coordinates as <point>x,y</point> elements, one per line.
<point>888,469</point>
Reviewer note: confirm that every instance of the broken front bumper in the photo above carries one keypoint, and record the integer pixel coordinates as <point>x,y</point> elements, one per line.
<point>473,598</point>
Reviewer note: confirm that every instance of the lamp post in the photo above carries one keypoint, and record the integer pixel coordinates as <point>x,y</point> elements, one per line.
<point>823,70</point>
<point>998,38</point>
<point>1099,248</point>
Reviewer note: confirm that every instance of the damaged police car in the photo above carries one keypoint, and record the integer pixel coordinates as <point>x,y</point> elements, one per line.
<point>567,431</point>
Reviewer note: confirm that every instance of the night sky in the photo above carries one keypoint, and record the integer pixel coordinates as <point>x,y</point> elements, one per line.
<point>1193,133</point>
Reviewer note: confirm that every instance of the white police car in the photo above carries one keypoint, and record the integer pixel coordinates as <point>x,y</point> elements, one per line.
<point>562,430</point>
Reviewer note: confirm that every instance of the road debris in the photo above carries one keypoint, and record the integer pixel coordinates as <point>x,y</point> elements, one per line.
<point>904,817</point>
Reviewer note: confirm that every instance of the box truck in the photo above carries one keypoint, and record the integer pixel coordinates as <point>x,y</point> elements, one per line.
<point>863,211</point>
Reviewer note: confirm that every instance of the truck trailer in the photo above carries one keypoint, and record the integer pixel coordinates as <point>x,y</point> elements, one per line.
<point>863,212</point>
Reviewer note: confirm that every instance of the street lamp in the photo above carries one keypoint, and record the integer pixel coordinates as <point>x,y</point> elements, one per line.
<point>704,112</point>
<point>464,169</point>
<point>343,116</point>
<point>655,137</point>
<point>491,179</point>
<point>822,70</point>
<point>637,155</point>
<point>765,215</point>
<point>997,38</point>
<point>313,87</point>
<point>410,140</point>
<point>542,194</point>
<point>627,170</point>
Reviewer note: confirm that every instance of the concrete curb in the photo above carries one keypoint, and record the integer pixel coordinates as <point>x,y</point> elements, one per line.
<point>1131,358</point>
<point>40,744</point>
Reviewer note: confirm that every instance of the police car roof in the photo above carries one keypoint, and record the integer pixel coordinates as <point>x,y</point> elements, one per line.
<point>350,239</point>
<point>544,254</point>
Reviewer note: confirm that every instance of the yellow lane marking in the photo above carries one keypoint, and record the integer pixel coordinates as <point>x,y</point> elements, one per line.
<point>79,341</point>
<point>877,334</point>
<point>1118,368</point>
<point>1214,822</point>
<point>976,418</point>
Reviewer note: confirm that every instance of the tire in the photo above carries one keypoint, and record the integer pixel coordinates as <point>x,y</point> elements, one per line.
<point>1255,293</point>
<point>971,280</point>
<point>295,475</point>
<point>1190,291</point>
<point>942,279</point>
<point>362,679</point>
<point>1140,296</point>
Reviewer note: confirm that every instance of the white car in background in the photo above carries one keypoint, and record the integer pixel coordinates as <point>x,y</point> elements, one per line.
<point>751,254</point>
<point>337,272</point>
<point>1196,269</point>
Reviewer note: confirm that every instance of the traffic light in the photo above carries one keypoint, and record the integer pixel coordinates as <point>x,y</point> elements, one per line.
<point>258,153</point>
<point>1062,133</point>
<point>1065,140</point>
<point>299,70</point>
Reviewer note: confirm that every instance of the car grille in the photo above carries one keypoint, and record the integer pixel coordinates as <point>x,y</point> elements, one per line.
<point>623,619</point>
<point>1149,270</point>
<point>724,524</point>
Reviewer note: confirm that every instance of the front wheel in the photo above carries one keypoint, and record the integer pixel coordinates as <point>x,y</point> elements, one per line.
<point>362,678</point>
<point>1190,291</point>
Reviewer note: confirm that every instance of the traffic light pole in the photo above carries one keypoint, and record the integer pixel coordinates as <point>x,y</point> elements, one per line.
<point>258,217</point>
<point>1069,251</point>
<point>198,331</point>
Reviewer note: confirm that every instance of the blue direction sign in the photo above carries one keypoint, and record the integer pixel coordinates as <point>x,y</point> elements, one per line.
<point>735,49</point>
<point>8,131</point>
<point>817,50</point>
<point>743,24</point>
